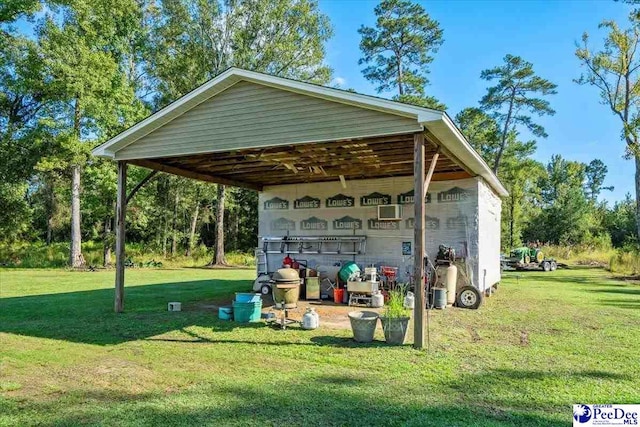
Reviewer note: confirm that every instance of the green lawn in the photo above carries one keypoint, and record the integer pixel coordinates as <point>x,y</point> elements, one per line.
<point>543,342</point>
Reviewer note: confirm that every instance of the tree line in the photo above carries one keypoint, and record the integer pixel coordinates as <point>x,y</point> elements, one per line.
<point>76,72</point>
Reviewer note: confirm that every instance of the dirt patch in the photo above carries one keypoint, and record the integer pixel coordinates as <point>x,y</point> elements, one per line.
<point>333,316</point>
<point>592,263</point>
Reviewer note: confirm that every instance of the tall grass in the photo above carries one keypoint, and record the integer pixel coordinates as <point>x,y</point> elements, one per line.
<point>56,255</point>
<point>625,263</point>
<point>619,261</point>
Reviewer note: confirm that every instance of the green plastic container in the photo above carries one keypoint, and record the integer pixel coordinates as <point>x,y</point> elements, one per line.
<point>347,270</point>
<point>244,312</point>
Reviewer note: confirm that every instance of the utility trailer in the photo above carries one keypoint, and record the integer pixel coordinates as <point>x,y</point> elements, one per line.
<point>526,258</point>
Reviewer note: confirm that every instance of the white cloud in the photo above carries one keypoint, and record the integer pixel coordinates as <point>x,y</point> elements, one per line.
<point>338,81</point>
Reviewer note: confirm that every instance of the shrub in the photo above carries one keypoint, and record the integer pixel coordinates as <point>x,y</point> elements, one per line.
<point>625,262</point>
<point>39,255</point>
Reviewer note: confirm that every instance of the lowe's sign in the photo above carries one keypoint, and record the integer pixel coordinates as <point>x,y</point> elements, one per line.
<point>408,198</point>
<point>276,204</point>
<point>375,199</point>
<point>606,415</point>
<point>455,195</point>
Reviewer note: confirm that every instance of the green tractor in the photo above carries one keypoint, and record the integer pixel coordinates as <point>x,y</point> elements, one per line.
<point>530,258</point>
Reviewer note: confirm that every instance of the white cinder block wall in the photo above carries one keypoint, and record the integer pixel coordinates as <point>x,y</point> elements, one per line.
<point>489,210</point>
<point>455,216</point>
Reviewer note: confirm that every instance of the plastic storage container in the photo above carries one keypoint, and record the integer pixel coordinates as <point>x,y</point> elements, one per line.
<point>225,313</point>
<point>242,297</point>
<point>244,312</point>
<point>347,270</point>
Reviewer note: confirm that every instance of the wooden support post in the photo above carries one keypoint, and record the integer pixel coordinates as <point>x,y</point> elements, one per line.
<point>121,211</point>
<point>419,239</point>
<point>427,182</point>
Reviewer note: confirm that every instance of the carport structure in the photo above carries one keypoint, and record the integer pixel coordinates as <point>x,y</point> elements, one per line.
<point>253,130</point>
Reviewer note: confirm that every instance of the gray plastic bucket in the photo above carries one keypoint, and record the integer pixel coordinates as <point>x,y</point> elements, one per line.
<point>363,325</point>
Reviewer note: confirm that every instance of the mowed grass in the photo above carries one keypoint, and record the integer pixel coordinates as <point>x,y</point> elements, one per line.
<point>542,343</point>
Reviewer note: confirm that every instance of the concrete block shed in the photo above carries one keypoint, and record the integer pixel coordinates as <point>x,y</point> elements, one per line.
<point>324,160</point>
<point>463,214</point>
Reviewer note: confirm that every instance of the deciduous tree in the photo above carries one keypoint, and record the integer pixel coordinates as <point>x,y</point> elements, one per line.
<point>194,42</point>
<point>615,71</point>
<point>83,48</point>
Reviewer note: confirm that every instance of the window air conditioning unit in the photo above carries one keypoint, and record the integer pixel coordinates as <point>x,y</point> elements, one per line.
<point>389,212</point>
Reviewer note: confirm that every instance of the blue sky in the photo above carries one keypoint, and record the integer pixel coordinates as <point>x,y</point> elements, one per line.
<point>477,36</point>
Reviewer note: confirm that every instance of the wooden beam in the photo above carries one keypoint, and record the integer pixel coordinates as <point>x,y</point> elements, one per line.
<point>140,185</point>
<point>432,167</point>
<point>306,177</point>
<point>194,175</point>
<point>450,176</point>
<point>419,239</point>
<point>121,212</point>
<point>433,140</point>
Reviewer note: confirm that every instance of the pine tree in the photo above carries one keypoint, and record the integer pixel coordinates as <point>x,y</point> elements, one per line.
<point>513,99</point>
<point>397,51</point>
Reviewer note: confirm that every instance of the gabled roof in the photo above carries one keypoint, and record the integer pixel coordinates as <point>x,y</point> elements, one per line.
<point>437,122</point>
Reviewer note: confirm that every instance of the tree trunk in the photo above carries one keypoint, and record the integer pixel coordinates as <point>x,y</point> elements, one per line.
<point>638,195</point>
<point>505,132</point>
<point>165,225</point>
<point>164,236</point>
<point>511,221</point>
<point>174,224</point>
<point>106,241</point>
<point>51,210</point>
<point>76,259</point>
<point>49,228</point>
<point>192,231</point>
<point>400,88</point>
<point>219,258</point>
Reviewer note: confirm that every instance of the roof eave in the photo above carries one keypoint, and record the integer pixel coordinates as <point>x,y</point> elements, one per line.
<point>457,144</point>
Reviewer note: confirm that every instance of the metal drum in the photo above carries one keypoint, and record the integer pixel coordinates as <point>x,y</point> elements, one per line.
<point>440,297</point>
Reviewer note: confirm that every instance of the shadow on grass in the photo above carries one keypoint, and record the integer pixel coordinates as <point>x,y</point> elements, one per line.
<point>88,317</point>
<point>623,303</point>
<point>323,400</point>
<point>349,342</point>
<point>625,290</point>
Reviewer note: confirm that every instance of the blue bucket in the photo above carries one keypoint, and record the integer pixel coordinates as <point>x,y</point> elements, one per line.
<point>225,313</point>
<point>245,297</point>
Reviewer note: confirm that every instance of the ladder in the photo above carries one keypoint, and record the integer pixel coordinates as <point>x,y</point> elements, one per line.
<point>261,262</point>
<point>328,245</point>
